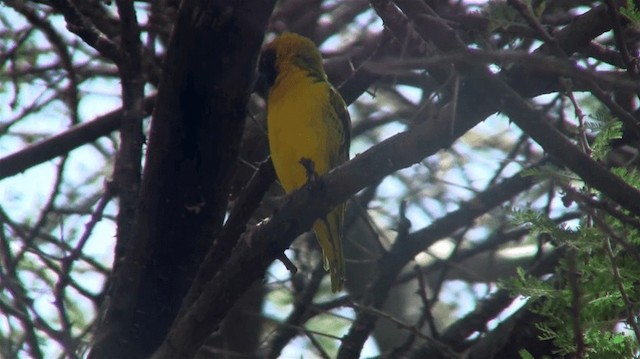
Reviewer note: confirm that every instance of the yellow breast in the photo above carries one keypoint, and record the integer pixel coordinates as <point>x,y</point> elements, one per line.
<point>298,127</point>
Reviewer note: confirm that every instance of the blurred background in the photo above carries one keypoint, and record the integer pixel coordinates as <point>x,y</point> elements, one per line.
<point>488,238</point>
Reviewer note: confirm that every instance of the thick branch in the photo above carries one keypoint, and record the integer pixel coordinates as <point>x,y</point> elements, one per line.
<point>193,145</point>
<point>250,258</point>
<point>401,253</point>
<point>128,164</point>
<point>535,124</point>
<point>489,308</point>
<point>79,25</point>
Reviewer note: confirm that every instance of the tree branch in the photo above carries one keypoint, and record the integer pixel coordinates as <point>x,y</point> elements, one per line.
<point>78,24</point>
<point>248,262</point>
<point>193,146</point>
<point>65,142</point>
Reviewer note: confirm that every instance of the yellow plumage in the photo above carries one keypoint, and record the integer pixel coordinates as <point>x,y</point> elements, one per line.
<point>306,120</point>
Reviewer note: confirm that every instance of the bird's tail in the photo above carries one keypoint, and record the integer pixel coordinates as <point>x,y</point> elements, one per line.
<point>328,230</point>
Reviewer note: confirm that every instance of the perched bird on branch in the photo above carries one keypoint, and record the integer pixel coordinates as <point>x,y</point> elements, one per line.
<point>309,131</point>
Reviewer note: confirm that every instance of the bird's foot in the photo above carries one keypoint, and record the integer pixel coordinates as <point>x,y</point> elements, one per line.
<point>309,167</point>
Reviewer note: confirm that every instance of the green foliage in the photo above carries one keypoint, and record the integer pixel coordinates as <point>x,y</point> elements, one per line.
<point>602,308</point>
<point>631,177</point>
<point>631,12</point>
<point>281,298</point>
<point>524,354</point>
<point>538,224</point>
<point>318,325</point>
<point>551,172</point>
<point>501,14</point>
<point>607,128</point>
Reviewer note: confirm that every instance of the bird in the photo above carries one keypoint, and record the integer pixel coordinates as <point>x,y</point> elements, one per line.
<point>309,131</point>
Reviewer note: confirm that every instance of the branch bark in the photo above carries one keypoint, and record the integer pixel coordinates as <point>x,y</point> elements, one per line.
<point>65,142</point>
<point>194,137</point>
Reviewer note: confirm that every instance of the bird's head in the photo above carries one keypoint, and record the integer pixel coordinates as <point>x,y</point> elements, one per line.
<point>287,52</point>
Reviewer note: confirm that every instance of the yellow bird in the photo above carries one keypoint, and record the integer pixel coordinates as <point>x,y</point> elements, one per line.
<point>309,131</point>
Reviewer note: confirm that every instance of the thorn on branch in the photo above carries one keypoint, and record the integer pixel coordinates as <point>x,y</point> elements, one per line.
<point>287,263</point>
<point>404,224</point>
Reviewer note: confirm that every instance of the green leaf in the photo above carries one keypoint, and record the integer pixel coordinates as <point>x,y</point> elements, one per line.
<point>630,11</point>
<point>524,354</point>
